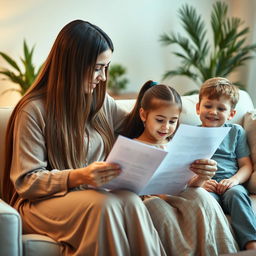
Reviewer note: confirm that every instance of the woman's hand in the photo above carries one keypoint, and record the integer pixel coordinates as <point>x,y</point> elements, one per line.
<point>204,168</point>
<point>95,174</point>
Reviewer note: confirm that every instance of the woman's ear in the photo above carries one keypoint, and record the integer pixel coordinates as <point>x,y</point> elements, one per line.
<point>143,115</point>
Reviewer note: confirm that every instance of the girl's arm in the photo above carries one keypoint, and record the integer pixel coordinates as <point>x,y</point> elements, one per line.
<point>196,181</point>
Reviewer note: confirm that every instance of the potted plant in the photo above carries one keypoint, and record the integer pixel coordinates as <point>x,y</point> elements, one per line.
<point>200,59</point>
<point>116,79</point>
<point>23,76</point>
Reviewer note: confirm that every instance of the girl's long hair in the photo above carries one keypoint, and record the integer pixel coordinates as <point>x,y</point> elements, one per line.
<point>69,110</point>
<point>133,125</point>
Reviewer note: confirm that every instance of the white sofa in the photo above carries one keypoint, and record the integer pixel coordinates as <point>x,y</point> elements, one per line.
<point>14,243</point>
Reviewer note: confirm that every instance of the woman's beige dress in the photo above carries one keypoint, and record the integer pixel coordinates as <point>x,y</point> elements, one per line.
<point>93,222</point>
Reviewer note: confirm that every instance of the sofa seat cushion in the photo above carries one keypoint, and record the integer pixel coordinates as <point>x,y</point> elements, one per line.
<point>10,227</point>
<point>253,198</point>
<point>40,245</point>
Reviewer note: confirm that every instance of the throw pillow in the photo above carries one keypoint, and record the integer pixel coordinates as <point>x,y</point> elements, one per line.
<point>249,125</point>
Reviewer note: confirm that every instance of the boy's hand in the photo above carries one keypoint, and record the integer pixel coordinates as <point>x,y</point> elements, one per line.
<point>210,185</point>
<point>225,184</point>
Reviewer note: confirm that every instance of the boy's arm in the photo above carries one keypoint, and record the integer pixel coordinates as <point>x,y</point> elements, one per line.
<point>242,175</point>
<point>245,169</point>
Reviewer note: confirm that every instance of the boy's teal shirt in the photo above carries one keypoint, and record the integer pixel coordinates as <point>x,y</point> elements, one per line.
<point>233,147</point>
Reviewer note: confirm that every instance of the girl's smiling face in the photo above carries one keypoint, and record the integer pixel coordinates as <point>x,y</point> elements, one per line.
<point>160,123</point>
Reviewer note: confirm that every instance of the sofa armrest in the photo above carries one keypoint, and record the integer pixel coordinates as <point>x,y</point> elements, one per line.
<point>10,231</point>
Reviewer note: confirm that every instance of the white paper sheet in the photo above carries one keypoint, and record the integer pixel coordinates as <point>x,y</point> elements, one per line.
<point>189,144</point>
<point>138,161</point>
<point>149,170</point>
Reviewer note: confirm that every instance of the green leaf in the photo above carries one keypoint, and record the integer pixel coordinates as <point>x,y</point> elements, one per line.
<point>193,25</point>
<point>218,16</point>
<point>23,78</point>
<point>10,61</point>
<point>13,77</point>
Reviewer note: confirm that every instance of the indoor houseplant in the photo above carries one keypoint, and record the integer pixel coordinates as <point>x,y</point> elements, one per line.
<point>23,75</point>
<point>202,59</point>
<point>116,79</point>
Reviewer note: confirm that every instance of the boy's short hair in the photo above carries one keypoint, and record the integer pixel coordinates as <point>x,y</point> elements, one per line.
<point>216,87</point>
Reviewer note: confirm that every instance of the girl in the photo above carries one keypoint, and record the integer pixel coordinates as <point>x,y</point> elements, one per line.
<point>154,120</point>
<point>188,224</point>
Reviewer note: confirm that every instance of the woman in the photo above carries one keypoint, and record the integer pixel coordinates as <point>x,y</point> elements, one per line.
<point>58,137</point>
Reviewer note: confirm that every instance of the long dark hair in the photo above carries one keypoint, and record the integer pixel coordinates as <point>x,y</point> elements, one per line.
<point>133,125</point>
<point>68,109</point>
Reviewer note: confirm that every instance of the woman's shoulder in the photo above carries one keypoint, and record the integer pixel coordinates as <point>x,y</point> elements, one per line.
<point>34,108</point>
<point>112,108</point>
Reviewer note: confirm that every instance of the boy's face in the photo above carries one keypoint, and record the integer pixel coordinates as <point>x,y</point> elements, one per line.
<point>214,112</point>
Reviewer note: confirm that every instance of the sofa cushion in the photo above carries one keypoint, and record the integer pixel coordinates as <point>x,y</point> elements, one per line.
<point>189,115</point>
<point>10,230</point>
<point>40,245</point>
<point>250,127</point>
<point>253,198</point>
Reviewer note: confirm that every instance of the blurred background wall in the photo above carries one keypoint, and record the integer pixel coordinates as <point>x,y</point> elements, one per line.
<point>135,27</point>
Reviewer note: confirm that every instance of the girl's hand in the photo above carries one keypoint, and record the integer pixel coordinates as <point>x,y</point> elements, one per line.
<point>225,184</point>
<point>95,174</point>
<point>210,185</point>
<point>204,168</point>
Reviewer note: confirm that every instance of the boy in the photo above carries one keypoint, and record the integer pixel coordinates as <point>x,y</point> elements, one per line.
<point>217,100</point>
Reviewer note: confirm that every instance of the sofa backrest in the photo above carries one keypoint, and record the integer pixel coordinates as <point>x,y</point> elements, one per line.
<point>5,114</point>
<point>189,115</point>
